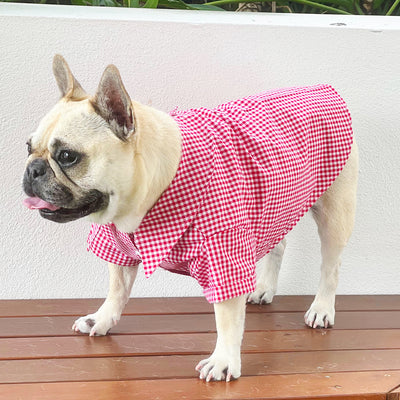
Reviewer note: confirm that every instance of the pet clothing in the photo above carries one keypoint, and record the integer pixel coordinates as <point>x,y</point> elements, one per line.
<point>249,171</point>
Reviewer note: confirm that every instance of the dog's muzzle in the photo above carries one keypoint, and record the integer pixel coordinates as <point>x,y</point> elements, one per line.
<point>35,170</point>
<point>54,200</point>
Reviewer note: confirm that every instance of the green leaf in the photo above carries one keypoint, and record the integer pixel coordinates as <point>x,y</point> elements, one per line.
<point>209,7</point>
<point>358,8</point>
<point>132,3</point>
<point>151,4</point>
<point>181,5</point>
<point>303,2</point>
<point>96,3</point>
<point>174,4</point>
<point>80,3</point>
<point>395,4</point>
<point>109,3</point>
<point>348,4</point>
<point>377,4</point>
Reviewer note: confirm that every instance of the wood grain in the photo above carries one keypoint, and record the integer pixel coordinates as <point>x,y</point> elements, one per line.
<point>176,366</point>
<point>344,386</point>
<point>197,343</point>
<point>394,394</point>
<point>152,352</point>
<point>187,305</point>
<point>194,323</point>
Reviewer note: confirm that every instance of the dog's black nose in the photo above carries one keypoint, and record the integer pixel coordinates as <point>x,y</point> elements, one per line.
<point>35,176</point>
<point>36,168</point>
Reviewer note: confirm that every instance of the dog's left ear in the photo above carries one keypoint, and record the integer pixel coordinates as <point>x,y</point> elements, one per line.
<point>113,103</point>
<point>68,85</point>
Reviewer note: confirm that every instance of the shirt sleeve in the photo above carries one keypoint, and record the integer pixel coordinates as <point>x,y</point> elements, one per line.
<point>106,242</point>
<point>229,260</point>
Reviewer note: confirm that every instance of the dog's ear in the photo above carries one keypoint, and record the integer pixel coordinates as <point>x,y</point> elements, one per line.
<point>113,103</point>
<point>69,86</point>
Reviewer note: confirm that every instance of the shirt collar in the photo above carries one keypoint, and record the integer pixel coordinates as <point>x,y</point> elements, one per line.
<point>169,218</point>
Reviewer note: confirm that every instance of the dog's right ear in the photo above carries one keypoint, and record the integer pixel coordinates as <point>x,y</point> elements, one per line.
<point>112,102</point>
<point>69,86</point>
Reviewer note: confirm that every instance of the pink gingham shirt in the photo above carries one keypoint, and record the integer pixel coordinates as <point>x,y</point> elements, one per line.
<point>249,170</point>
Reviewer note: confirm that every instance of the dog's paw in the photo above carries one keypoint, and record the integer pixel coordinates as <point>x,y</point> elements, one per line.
<point>261,296</point>
<point>320,316</point>
<point>97,324</point>
<point>218,369</point>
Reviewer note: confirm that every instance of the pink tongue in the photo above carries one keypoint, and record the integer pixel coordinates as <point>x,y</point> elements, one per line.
<point>34,203</point>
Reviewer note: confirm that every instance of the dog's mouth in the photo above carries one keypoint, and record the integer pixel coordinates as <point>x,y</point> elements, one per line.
<point>94,201</point>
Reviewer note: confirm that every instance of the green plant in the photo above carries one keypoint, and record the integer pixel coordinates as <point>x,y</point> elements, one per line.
<point>174,4</point>
<point>360,7</point>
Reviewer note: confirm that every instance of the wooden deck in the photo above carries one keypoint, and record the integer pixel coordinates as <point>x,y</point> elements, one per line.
<point>152,352</point>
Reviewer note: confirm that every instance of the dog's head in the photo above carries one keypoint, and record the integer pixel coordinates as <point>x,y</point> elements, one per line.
<point>82,153</point>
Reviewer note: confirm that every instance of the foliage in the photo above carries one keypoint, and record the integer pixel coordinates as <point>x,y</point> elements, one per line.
<point>359,7</point>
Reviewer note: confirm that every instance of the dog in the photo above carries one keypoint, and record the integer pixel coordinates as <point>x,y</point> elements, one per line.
<point>204,192</point>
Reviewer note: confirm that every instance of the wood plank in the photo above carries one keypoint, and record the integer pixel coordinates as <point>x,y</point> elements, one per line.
<point>394,394</point>
<point>174,366</point>
<point>198,323</point>
<point>156,347</point>
<point>344,386</point>
<point>188,305</point>
<point>179,344</point>
<point>74,307</point>
<point>106,346</point>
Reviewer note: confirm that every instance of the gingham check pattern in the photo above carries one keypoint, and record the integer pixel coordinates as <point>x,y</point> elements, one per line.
<point>249,170</point>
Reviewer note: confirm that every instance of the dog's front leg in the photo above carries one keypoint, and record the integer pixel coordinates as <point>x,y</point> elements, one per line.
<point>99,323</point>
<point>224,363</point>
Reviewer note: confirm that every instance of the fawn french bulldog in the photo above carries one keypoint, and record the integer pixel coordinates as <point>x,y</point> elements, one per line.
<point>203,192</point>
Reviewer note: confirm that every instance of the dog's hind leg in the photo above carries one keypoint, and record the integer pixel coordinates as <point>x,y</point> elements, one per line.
<point>267,275</point>
<point>334,214</point>
<point>107,316</point>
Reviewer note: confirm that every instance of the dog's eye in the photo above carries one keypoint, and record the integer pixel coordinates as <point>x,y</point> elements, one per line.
<point>67,158</point>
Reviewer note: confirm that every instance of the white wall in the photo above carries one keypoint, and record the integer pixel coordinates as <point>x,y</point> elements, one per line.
<point>183,58</point>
